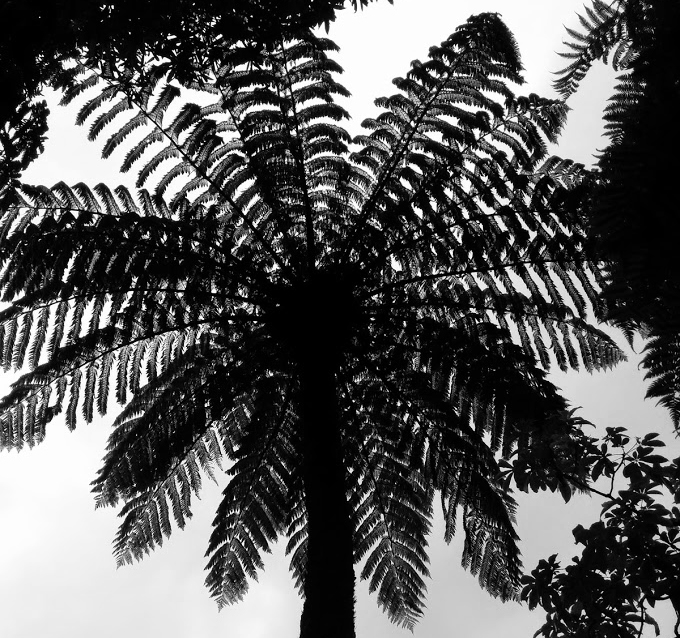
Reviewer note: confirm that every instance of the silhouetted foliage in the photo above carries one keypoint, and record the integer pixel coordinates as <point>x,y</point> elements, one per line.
<point>356,326</point>
<point>634,205</point>
<point>631,556</point>
<point>21,141</point>
<point>39,39</point>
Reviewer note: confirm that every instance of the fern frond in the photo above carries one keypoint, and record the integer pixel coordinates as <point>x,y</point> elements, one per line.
<point>605,34</point>
<point>396,511</point>
<point>253,510</point>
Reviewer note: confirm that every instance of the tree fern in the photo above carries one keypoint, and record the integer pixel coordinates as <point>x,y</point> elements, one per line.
<point>355,326</point>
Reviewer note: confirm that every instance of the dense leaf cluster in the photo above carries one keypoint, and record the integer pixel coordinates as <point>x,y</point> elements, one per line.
<point>21,141</point>
<point>630,558</point>
<point>555,458</point>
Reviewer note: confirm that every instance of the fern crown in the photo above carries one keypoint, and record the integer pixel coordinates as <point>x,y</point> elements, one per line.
<point>435,263</point>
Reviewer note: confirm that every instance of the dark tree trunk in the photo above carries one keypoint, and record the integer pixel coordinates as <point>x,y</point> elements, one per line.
<point>328,610</point>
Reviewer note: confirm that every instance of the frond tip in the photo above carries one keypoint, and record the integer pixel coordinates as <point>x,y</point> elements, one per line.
<point>490,553</point>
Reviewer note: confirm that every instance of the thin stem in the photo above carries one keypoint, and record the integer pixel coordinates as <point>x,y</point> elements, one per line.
<point>457,273</point>
<point>298,155</point>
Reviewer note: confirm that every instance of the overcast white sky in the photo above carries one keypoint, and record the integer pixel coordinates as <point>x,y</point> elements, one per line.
<point>57,576</point>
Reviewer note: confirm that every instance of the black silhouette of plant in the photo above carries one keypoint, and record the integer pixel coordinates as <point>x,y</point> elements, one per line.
<point>355,325</point>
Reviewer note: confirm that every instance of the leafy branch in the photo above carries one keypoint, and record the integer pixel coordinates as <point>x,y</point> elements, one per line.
<point>630,558</point>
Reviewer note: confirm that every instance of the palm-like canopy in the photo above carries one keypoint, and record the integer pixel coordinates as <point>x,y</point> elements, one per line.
<point>354,331</point>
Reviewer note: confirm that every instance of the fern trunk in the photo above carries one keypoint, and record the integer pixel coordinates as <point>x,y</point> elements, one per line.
<point>328,610</point>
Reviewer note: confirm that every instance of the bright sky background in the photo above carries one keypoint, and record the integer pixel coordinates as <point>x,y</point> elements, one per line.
<point>57,576</point>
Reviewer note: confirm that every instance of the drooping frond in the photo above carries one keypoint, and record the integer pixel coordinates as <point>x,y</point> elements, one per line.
<point>606,33</point>
<point>104,289</point>
<point>435,402</point>
<point>391,505</point>
<point>254,507</point>
<point>161,424</point>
